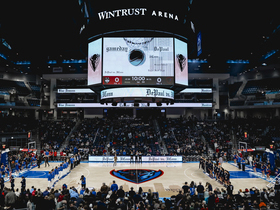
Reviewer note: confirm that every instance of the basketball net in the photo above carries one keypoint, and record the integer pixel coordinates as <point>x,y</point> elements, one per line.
<point>138,42</point>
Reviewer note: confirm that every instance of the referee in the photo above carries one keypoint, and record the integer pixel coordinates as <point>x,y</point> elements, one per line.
<point>136,157</point>
<point>131,157</point>
<point>140,157</point>
<point>47,158</point>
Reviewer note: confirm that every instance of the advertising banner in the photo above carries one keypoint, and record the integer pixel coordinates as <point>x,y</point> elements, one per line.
<point>142,105</point>
<point>144,159</point>
<point>137,92</point>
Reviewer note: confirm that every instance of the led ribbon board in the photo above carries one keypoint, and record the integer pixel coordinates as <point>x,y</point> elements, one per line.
<point>147,92</point>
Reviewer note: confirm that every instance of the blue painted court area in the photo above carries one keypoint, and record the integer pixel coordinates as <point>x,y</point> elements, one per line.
<point>242,175</point>
<point>36,174</point>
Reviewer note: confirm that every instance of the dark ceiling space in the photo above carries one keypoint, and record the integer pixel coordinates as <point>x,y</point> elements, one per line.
<point>49,30</point>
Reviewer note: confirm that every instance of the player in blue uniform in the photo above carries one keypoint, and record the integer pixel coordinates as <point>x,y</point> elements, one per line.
<point>52,175</point>
<point>63,168</point>
<point>60,168</point>
<point>56,172</point>
<point>66,167</point>
<point>49,179</point>
<point>17,166</point>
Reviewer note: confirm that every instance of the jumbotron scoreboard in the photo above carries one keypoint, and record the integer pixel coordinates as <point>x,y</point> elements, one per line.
<point>136,53</point>
<point>130,67</point>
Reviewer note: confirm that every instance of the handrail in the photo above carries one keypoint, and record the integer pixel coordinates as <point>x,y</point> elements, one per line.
<point>272,183</point>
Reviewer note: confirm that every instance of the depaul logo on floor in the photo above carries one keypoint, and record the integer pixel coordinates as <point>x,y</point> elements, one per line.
<point>137,176</point>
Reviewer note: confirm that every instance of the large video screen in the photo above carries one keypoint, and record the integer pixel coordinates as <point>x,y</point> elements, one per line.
<point>181,62</point>
<point>138,61</point>
<point>95,62</point>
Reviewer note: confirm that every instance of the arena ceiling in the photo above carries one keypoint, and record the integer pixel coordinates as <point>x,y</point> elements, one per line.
<point>230,30</point>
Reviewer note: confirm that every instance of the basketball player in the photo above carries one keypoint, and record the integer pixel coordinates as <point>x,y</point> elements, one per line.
<point>49,180</point>
<point>60,168</point>
<point>216,171</point>
<point>136,157</point>
<point>140,156</point>
<point>115,160</point>
<point>226,179</point>
<point>255,166</point>
<point>56,174</point>
<point>131,157</point>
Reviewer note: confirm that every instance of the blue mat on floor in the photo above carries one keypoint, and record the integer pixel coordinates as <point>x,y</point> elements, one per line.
<point>242,175</point>
<point>36,174</point>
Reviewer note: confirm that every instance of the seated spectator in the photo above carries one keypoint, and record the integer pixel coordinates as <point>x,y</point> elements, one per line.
<point>121,193</point>
<point>46,192</point>
<point>80,200</point>
<point>61,204</point>
<point>93,192</point>
<point>131,193</point>
<point>73,193</point>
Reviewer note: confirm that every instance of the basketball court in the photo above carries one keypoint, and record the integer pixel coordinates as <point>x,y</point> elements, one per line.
<point>164,178</point>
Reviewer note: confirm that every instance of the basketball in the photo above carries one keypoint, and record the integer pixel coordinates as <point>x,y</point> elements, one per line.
<point>137,57</point>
